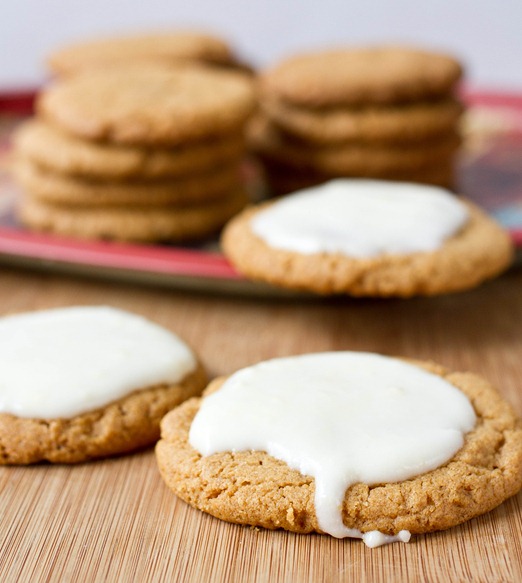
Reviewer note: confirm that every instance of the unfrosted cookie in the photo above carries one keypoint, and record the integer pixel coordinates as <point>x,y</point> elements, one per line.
<point>51,148</point>
<point>49,186</point>
<point>412,122</point>
<point>473,437</point>
<point>149,105</point>
<point>368,238</point>
<point>350,159</point>
<point>166,47</point>
<point>378,75</point>
<point>88,382</point>
<point>131,223</point>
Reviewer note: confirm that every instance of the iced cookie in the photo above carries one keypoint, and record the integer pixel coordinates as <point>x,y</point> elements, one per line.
<point>368,238</point>
<point>87,382</point>
<point>55,150</point>
<point>154,105</point>
<point>349,444</point>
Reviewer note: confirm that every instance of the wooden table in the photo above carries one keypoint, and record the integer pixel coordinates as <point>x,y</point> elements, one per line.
<point>115,520</point>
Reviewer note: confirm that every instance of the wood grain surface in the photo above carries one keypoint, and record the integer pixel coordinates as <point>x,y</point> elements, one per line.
<point>115,520</point>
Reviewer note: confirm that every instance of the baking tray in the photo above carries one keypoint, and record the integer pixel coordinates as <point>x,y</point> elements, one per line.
<point>489,173</point>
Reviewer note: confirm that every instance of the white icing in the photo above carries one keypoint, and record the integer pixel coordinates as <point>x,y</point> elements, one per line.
<point>340,417</point>
<point>362,218</point>
<point>65,362</point>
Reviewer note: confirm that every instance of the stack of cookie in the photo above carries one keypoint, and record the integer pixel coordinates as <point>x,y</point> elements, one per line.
<point>160,47</point>
<point>136,153</point>
<point>387,113</point>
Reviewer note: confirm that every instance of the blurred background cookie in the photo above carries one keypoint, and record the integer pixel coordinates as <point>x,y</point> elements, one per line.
<point>378,112</point>
<point>145,153</point>
<point>157,47</point>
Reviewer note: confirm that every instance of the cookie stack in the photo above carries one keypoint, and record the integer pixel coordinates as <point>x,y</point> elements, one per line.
<point>387,112</point>
<point>136,153</point>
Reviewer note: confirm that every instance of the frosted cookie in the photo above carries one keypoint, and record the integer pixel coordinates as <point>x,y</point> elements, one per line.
<point>63,153</point>
<point>131,223</point>
<point>87,382</point>
<point>368,238</point>
<point>149,105</point>
<point>411,122</point>
<point>191,189</point>
<point>349,444</point>
<point>351,159</point>
<point>376,75</point>
<point>164,47</point>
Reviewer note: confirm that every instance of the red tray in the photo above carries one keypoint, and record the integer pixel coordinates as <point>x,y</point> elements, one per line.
<point>490,173</point>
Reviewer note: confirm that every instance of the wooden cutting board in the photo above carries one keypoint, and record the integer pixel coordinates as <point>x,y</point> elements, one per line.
<point>115,520</point>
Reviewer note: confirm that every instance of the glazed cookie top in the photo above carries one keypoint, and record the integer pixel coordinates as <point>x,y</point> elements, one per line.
<point>341,417</point>
<point>184,45</point>
<point>378,75</point>
<point>361,218</point>
<point>64,362</point>
<point>149,105</point>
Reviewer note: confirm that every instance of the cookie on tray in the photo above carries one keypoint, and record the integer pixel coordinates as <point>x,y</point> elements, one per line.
<point>160,47</point>
<point>144,154</point>
<point>397,124</point>
<point>154,105</point>
<point>349,444</point>
<point>132,223</point>
<point>190,189</point>
<point>63,153</point>
<point>362,76</point>
<point>352,159</point>
<point>88,382</point>
<point>378,112</point>
<point>368,238</point>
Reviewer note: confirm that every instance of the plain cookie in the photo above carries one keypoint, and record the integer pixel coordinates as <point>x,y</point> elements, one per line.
<point>196,189</point>
<point>166,47</point>
<point>378,75</point>
<point>64,153</point>
<point>149,105</point>
<point>131,223</point>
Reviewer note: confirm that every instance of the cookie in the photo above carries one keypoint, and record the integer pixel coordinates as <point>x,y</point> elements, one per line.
<point>247,485</point>
<point>352,77</point>
<point>186,190</point>
<point>394,124</point>
<point>88,382</point>
<point>60,152</point>
<point>131,223</point>
<point>152,105</point>
<point>368,238</point>
<point>166,47</point>
<point>350,159</point>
